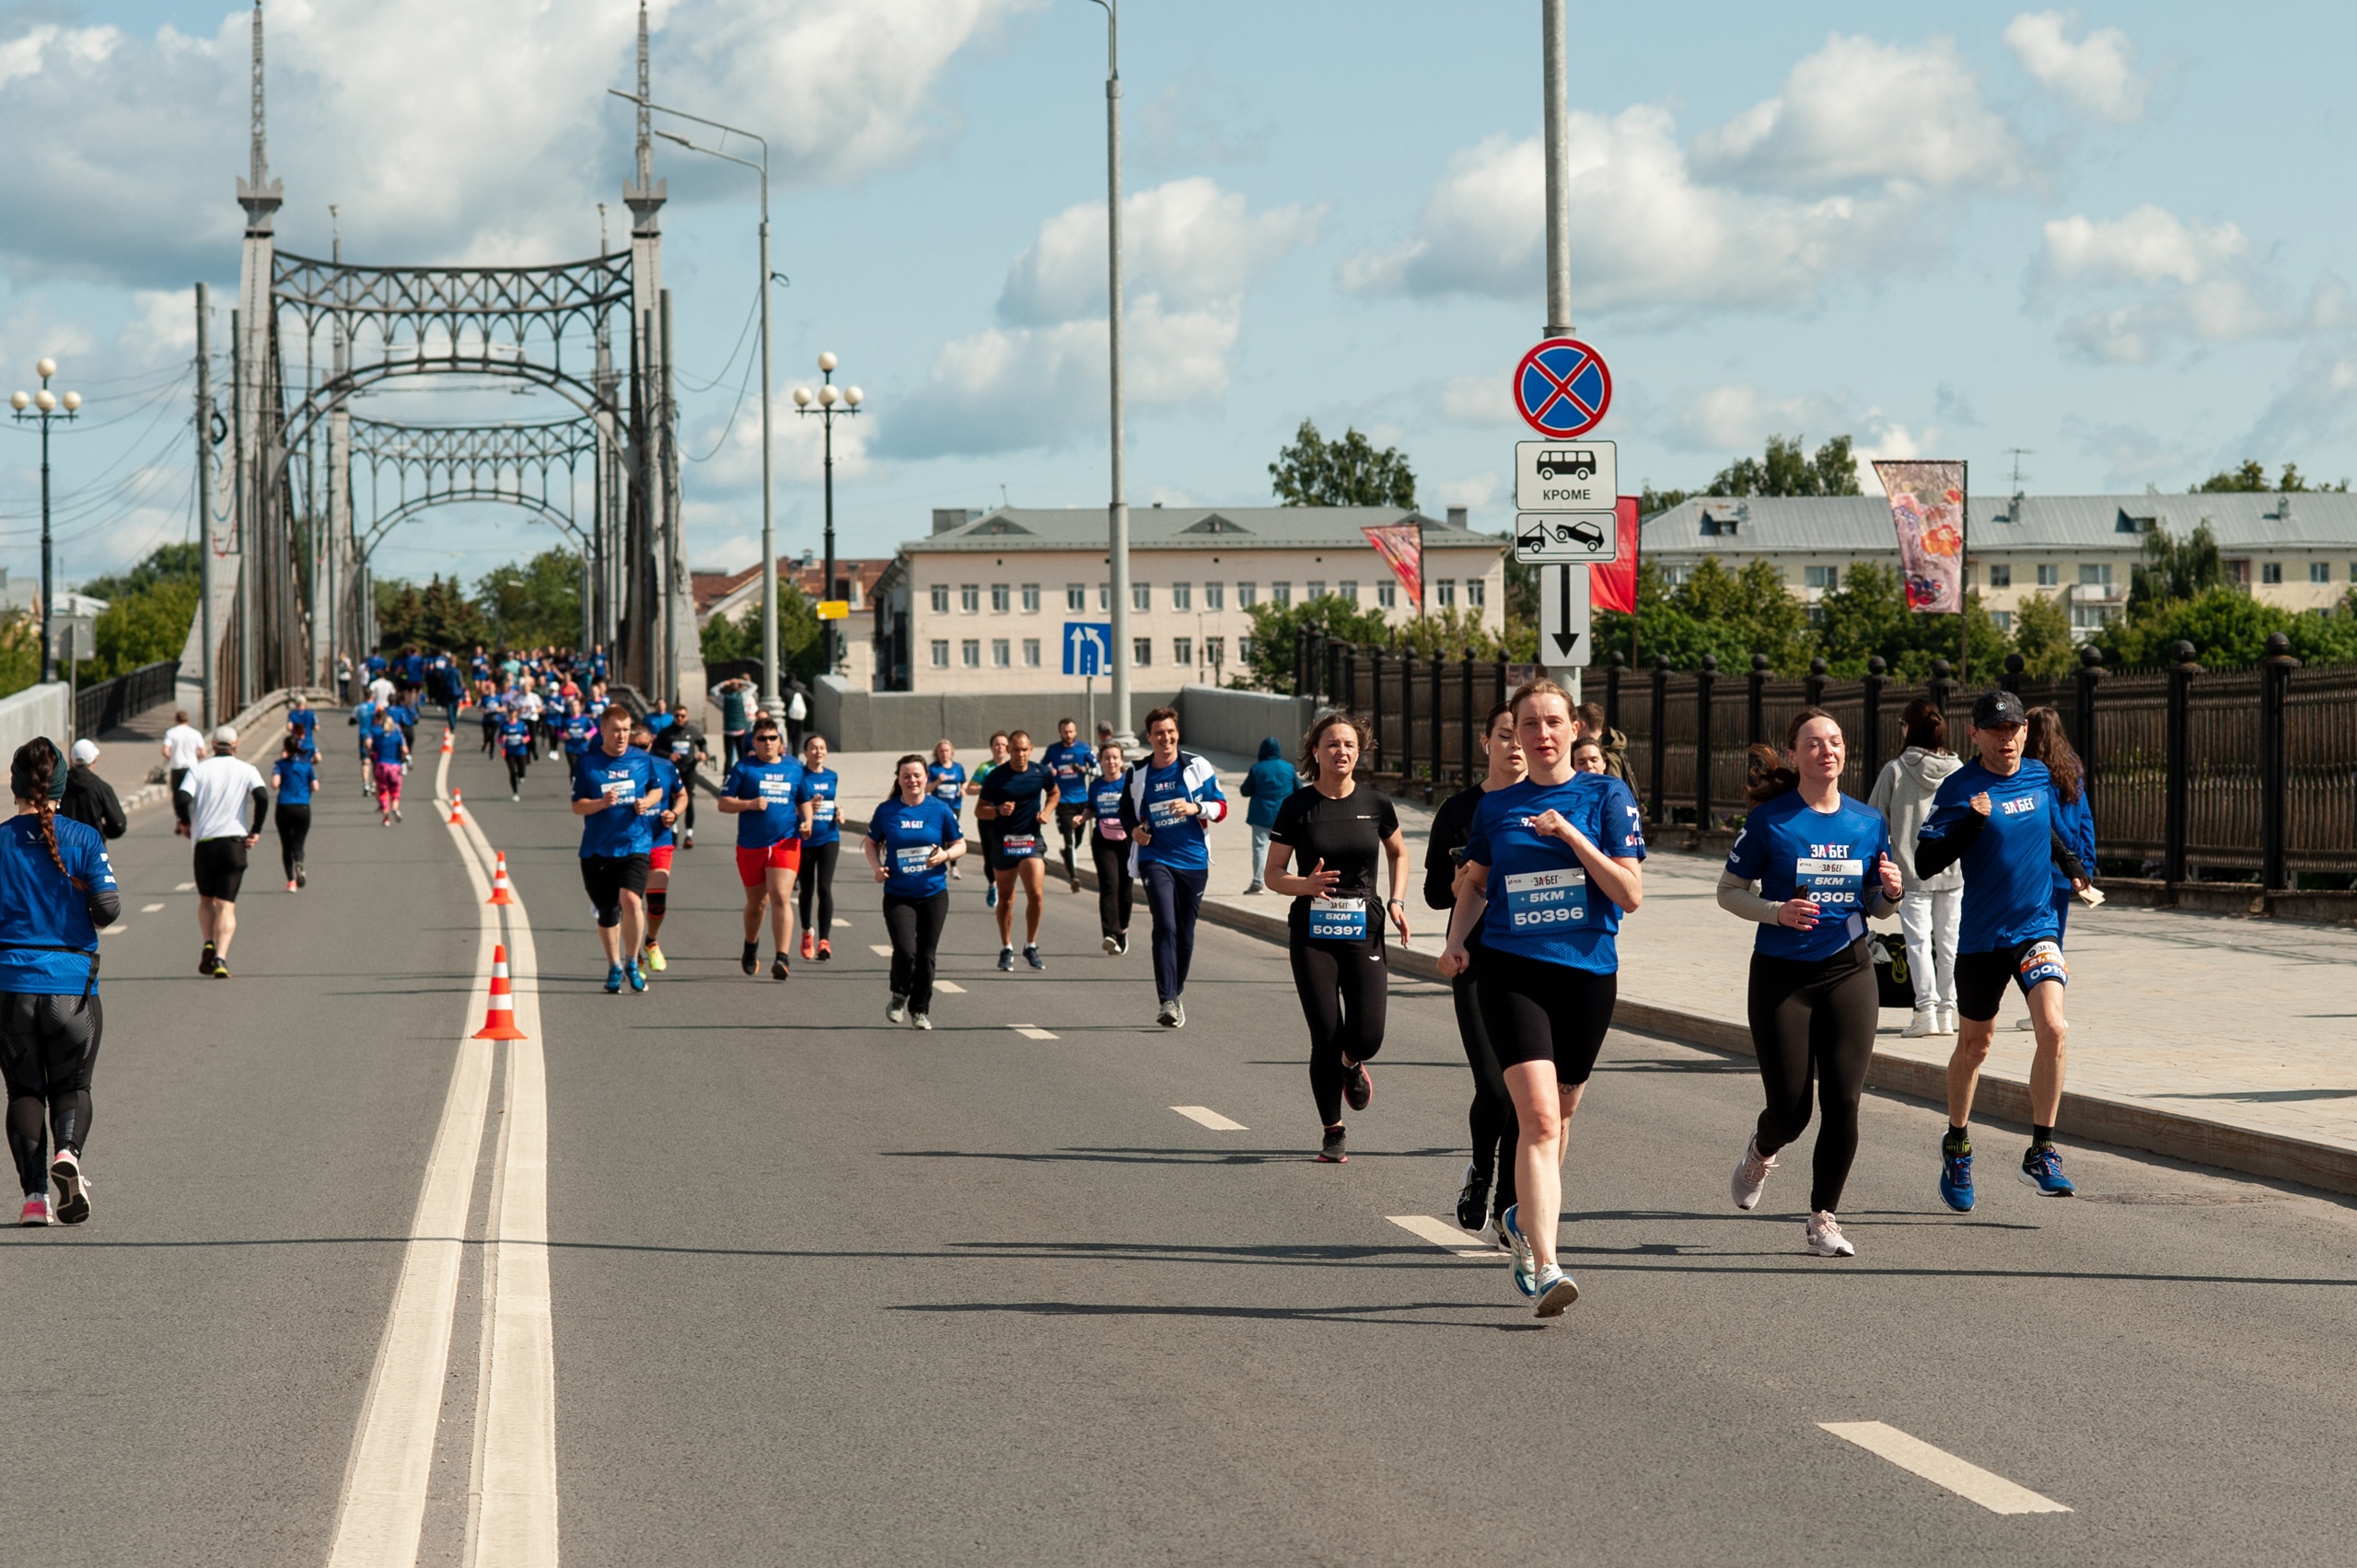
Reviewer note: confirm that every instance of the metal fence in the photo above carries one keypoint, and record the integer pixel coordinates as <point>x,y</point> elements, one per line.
<point>103,705</point>
<point>2243,773</point>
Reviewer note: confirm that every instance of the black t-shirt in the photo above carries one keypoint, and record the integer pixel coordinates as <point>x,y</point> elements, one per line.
<point>1017,793</point>
<point>1347,834</point>
<point>1451,824</point>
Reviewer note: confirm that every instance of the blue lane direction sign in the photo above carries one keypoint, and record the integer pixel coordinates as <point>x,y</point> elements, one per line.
<point>1088,647</point>
<point>1561,389</point>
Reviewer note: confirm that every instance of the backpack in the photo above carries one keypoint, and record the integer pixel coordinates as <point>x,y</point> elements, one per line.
<point>1894,984</point>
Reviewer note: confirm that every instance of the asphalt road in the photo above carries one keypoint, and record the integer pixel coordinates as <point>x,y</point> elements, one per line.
<point>827,1291</point>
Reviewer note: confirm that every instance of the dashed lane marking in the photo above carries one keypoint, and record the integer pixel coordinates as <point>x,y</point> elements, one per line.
<point>881,949</point>
<point>1210,1118</point>
<point>1941,1468</point>
<point>117,929</point>
<point>183,887</point>
<point>1441,1234</point>
<point>949,986</point>
<point>1029,1031</point>
<point>150,909</point>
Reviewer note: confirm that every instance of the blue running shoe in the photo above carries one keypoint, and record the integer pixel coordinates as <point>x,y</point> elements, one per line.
<point>1956,1182</point>
<point>1526,1265</point>
<point>2042,1169</point>
<point>1557,1290</point>
<point>990,899</point>
<point>636,976</point>
<point>613,979</point>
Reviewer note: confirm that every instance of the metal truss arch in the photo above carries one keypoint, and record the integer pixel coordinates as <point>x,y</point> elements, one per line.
<point>546,511</point>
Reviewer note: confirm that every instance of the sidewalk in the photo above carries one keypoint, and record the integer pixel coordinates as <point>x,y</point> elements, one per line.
<point>2203,1038</point>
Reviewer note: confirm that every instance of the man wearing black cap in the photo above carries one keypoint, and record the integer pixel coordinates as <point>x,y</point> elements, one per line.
<point>1995,816</point>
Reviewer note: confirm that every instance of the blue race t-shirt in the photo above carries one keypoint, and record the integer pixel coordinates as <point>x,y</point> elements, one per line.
<point>2075,821</point>
<point>364,716</point>
<point>514,735</point>
<point>39,908</point>
<point>306,720</point>
<point>620,829</point>
<point>2008,879</point>
<point>666,778</point>
<point>580,731</point>
<point>1071,764</point>
<point>403,716</point>
<point>773,784</point>
<point>1105,801</point>
<point>947,782</point>
<point>386,744</point>
<point>295,777</point>
<point>1540,905</point>
<point>1832,857</point>
<point>906,836</point>
<point>1177,842</point>
<point>818,788</point>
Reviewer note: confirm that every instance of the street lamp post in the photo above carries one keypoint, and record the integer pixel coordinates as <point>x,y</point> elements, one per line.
<point>47,407</point>
<point>832,400</point>
<point>769,487</point>
<point>1117,508</point>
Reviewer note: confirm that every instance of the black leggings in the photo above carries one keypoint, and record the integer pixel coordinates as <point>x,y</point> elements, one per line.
<point>293,832</point>
<point>915,928</point>
<point>48,1046</point>
<point>1815,1018</point>
<point>819,876</point>
<point>1344,988</point>
<point>515,766</point>
<point>1490,1117</point>
<point>1072,824</point>
<point>1116,892</point>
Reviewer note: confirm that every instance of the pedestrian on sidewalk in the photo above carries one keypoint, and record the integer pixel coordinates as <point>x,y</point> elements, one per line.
<point>1109,849</point>
<point>1931,906</point>
<point>1612,745</point>
<point>295,777</point>
<point>2048,742</point>
<point>1811,866</point>
<point>222,804</point>
<point>1267,786</point>
<point>89,799</point>
<point>1172,799</point>
<point>183,748</point>
<point>913,838</point>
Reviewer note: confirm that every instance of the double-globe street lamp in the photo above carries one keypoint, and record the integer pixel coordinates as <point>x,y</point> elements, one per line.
<point>45,407</point>
<point>832,400</point>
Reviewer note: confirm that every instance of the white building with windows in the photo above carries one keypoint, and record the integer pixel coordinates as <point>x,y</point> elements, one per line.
<point>2297,551</point>
<point>982,603</point>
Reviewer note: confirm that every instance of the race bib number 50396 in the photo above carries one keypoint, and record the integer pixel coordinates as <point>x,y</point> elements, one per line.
<point>1536,901</point>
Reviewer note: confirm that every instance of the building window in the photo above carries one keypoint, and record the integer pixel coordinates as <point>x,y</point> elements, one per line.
<point>1215,652</point>
<point>2001,619</point>
<point>2049,576</point>
<point>1316,590</point>
<point>1104,598</point>
<point>1140,651</point>
<point>940,649</point>
<point>2092,617</point>
<point>1031,653</point>
<point>1444,593</point>
<point>969,597</point>
<point>1280,595</point>
<point>2094,573</point>
<point>1386,594</point>
<point>1030,599</point>
<point>941,599</point>
<point>1245,595</point>
<point>1142,596</point>
<point>2352,571</point>
<point>1182,651</point>
<point>2320,572</point>
<point>1076,597</point>
<point>1826,578</point>
<point>1477,592</point>
<point>1001,655</point>
<point>2001,575</point>
<point>1215,593</point>
<point>971,650</point>
<point>999,598</point>
<point>1348,590</point>
<point>2270,571</point>
<point>1244,650</point>
<point>1182,595</point>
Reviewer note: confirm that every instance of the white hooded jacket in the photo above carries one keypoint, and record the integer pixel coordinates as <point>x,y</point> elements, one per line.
<point>1903,796</point>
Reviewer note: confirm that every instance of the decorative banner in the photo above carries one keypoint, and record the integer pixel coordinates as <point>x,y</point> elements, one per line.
<point>1927,507</point>
<point>1402,545</point>
<point>1615,586</point>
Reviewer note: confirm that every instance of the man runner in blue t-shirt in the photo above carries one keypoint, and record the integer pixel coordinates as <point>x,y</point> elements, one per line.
<point>615,790</point>
<point>1071,763</point>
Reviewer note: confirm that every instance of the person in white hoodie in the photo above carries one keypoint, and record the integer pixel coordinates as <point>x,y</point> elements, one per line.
<point>1930,910</point>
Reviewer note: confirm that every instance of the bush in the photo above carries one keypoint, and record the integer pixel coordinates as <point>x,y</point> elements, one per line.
<point>797,634</point>
<point>143,626</point>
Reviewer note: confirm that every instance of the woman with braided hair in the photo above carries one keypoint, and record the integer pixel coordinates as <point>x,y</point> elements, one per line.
<point>56,889</point>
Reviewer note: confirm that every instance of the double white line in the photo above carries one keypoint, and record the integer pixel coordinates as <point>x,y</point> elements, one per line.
<point>511,1504</point>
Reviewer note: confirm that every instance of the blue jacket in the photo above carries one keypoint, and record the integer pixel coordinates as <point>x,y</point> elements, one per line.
<point>1266,785</point>
<point>2076,823</point>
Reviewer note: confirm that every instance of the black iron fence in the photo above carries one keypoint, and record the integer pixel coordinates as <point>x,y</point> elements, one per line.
<point>103,705</point>
<point>2244,775</point>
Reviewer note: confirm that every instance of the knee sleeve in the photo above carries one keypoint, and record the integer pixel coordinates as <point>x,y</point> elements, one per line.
<point>657,901</point>
<point>609,915</point>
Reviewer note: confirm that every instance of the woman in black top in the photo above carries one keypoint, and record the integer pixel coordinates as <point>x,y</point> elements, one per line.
<point>1336,832</point>
<point>1492,1115</point>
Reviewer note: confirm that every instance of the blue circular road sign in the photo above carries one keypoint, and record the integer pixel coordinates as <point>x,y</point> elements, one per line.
<point>1562,388</point>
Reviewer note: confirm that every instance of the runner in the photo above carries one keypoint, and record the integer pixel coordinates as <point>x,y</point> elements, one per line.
<point>577,732</point>
<point>683,744</point>
<point>1334,833</point>
<point>1070,761</point>
<point>515,747</point>
<point>2048,742</point>
<point>302,717</point>
<point>911,839</point>
<point>985,828</point>
<point>1549,900</point>
<point>295,777</point>
<point>759,794</point>
<point>1016,795</point>
<point>1811,867</point>
<point>815,801</point>
<point>1109,848</point>
<point>1930,907</point>
<point>615,792</point>
<point>390,748</point>
<point>494,705</point>
<point>211,804</point>
<point>89,799</point>
<point>659,844</point>
<point>1491,1116</point>
<point>1172,799</point>
<point>57,889</point>
<point>1995,816</point>
<point>1587,755</point>
<point>947,778</point>
<point>183,748</point>
<point>363,717</point>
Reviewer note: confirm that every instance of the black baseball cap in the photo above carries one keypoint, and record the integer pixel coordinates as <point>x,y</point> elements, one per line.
<point>1993,708</point>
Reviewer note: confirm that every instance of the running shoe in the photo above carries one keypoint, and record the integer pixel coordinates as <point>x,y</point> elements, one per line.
<point>290,884</point>
<point>1333,1151</point>
<point>1007,959</point>
<point>1075,882</point>
<point>1750,1175</point>
<point>1124,947</point>
<point>1473,1199</point>
<point>72,1190</point>
<point>1825,1238</point>
<point>635,975</point>
<point>751,959</point>
<point>1168,1015</point>
<point>301,879</point>
<point>220,968</point>
<point>515,798</point>
<point>778,968</point>
<point>613,979</point>
<point>809,946</point>
<point>2042,1169</point>
<point>1955,1179</point>
<point>397,813</point>
<point>36,1209</point>
<point>920,1020</point>
<point>1525,1262</point>
<point>1556,1291</point>
<point>1360,1088</point>
<point>655,959</point>
<point>1947,1020</point>
<point>1111,945</point>
<point>689,841</point>
<point>897,1011</point>
<point>990,899</point>
<point>1178,1014</point>
<point>825,951</point>
<point>1031,956</point>
<point>205,960</point>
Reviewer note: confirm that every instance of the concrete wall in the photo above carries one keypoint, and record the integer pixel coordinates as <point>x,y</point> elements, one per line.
<point>37,709</point>
<point>854,720</point>
<point>1213,718</point>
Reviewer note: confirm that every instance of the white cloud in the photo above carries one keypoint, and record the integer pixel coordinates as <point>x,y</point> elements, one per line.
<point>2149,245</point>
<point>1475,489</point>
<point>2131,455</point>
<point>1485,401</point>
<point>1740,417</point>
<point>1862,112</point>
<point>2191,284</point>
<point>1189,241</point>
<point>2316,405</point>
<point>2097,74</point>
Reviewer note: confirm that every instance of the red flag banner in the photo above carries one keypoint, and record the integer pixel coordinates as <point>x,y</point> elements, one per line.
<point>1927,508</point>
<point>1402,545</point>
<point>1615,586</point>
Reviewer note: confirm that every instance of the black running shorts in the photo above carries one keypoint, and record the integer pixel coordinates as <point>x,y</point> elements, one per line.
<point>608,878</point>
<point>1536,1011</point>
<point>1982,978</point>
<point>220,867</point>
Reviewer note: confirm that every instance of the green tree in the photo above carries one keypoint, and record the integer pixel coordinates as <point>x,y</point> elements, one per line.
<point>797,634</point>
<point>2177,570</point>
<point>1729,615</point>
<point>20,654</point>
<point>2251,476</point>
<point>167,564</point>
<point>537,603</point>
<point>1275,626</point>
<point>1314,471</point>
<point>1789,469</point>
<point>1868,615</point>
<point>144,625</point>
<point>2226,627</point>
<point>2042,636</point>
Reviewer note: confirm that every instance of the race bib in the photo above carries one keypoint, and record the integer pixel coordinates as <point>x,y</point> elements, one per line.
<point>1018,846</point>
<point>1837,887</point>
<point>1337,920</point>
<point>2042,962</point>
<point>823,811</point>
<point>912,862</point>
<point>776,791</point>
<point>1164,813</point>
<point>614,789</point>
<point>947,790</point>
<point>1536,901</point>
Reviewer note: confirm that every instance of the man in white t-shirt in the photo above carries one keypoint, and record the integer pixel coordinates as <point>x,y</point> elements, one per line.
<point>183,748</point>
<point>213,803</point>
<point>380,692</point>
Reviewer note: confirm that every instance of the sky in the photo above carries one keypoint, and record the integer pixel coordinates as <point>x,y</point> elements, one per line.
<point>2099,244</point>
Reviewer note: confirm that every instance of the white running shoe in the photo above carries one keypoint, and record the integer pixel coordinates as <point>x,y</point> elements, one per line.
<point>71,1188</point>
<point>1825,1238</point>
<point>920,1020</point>
<point>1111,945</point>
<point>1926,1021</point>
<point>2027,1026</point>
<point>1750,1175</point>
<point>1557,1290</point>
<point>1947,1020</point>
<point>898,1011</point>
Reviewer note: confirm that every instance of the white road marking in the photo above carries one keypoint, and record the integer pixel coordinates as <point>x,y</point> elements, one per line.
<point>150,909</point>
<point>1210,1118</point>
<point>949,986</point>
<point>1441,1234</point>
<point>842,924</point>
<point>189,888</point>
<point>117,929</point>
<point>881,949</point>
<point>1941,1468</point>
<point>1030,1031</point>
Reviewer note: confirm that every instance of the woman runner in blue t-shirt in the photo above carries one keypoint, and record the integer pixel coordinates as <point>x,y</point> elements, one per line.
<point>815,800</point>
<point>295,777</point>
<point>1109,849</point>
<point>912,842</point>
<point>1820,864</point>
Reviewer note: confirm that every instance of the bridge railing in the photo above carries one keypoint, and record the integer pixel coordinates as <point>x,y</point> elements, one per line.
<point>103,705</point>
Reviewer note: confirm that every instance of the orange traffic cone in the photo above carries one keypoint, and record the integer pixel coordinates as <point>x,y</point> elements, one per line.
<point>446,740</point>
<point>502,891</point>
<point>458,810</point>
<point>501,1022</point>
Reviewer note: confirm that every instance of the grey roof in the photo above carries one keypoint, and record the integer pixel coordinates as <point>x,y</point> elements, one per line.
<point>1835,523</point>
<point>1223,529</point>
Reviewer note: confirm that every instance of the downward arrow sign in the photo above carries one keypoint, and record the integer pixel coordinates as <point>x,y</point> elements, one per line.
<point>1564,636</point>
